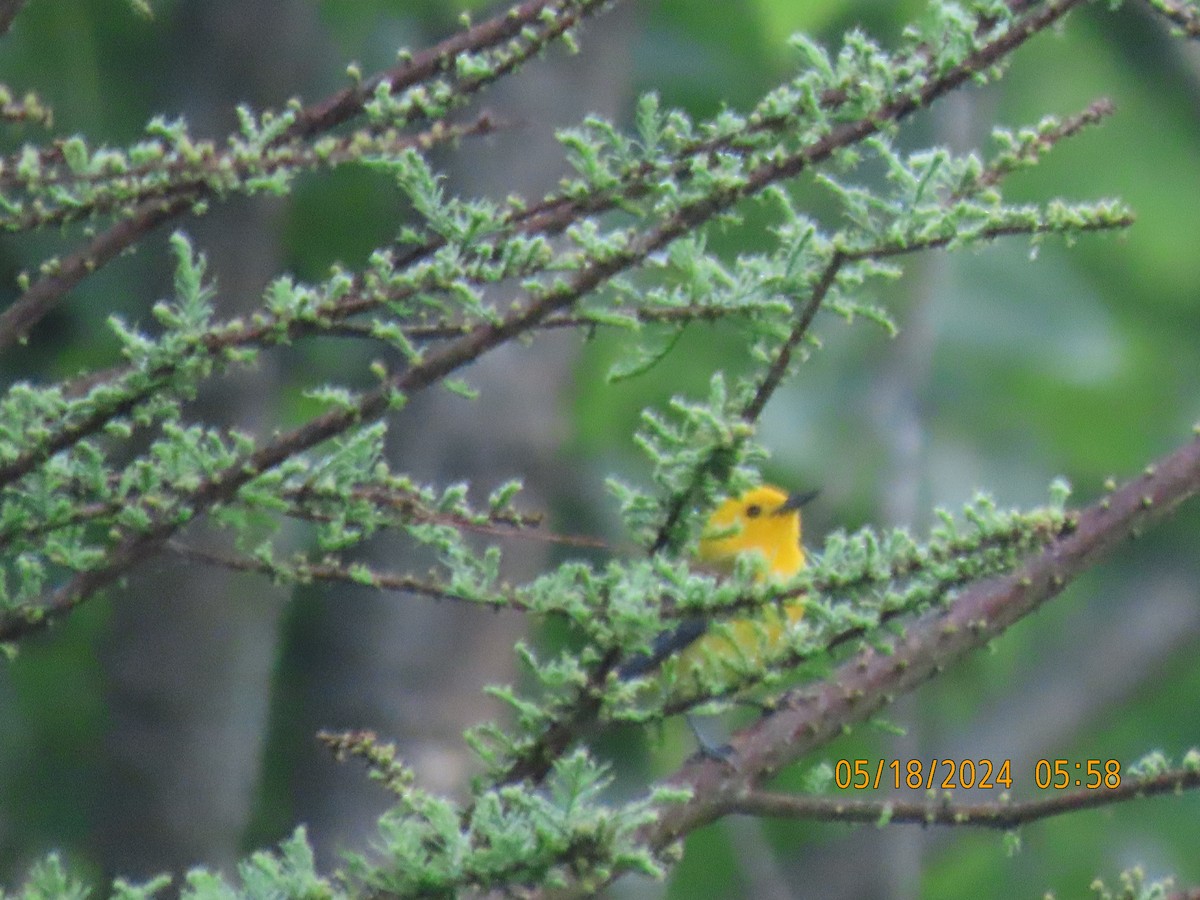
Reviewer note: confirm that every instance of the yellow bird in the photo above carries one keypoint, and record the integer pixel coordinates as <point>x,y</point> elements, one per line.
<point>764,521</point>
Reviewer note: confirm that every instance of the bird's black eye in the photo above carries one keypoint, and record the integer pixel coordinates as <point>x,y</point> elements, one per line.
<point>753,511</point>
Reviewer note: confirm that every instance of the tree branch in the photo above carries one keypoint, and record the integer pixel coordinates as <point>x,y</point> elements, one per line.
<point>8,12</point>
<point>1002,814</point>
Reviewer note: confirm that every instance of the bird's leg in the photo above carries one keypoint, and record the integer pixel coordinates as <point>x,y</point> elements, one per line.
<point>706,748</point>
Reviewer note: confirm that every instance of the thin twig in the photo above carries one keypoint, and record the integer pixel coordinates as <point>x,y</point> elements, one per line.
<point>1183,16</point>
<point>206,174</point>
<point>303,572</point>
<point>773,377</point>
<point>1094,114</point>
<point>1002,814</point>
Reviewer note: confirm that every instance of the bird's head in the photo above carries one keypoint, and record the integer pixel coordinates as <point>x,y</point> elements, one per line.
<point>764,520</point>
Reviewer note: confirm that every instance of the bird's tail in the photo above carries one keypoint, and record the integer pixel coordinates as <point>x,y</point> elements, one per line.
<point>666,644</point>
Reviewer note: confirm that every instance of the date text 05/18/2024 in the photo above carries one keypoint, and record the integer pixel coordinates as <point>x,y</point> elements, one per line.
<point>949,774</point>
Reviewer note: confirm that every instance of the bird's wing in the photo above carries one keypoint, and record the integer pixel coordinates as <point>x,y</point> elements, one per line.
<point>666,644</point>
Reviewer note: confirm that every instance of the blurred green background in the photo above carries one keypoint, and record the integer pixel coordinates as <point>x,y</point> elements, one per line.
<point>1015,365</point>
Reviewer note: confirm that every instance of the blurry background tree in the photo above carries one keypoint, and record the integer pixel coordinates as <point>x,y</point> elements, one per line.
<point>170,723</point>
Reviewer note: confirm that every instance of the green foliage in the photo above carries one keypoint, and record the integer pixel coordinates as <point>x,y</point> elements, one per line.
<point>432,847</point>
<point>103,470</point>
<point>1133,884</point>
<point>289,873</point>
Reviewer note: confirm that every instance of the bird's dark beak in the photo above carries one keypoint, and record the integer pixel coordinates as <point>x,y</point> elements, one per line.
<point>794,501</point>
